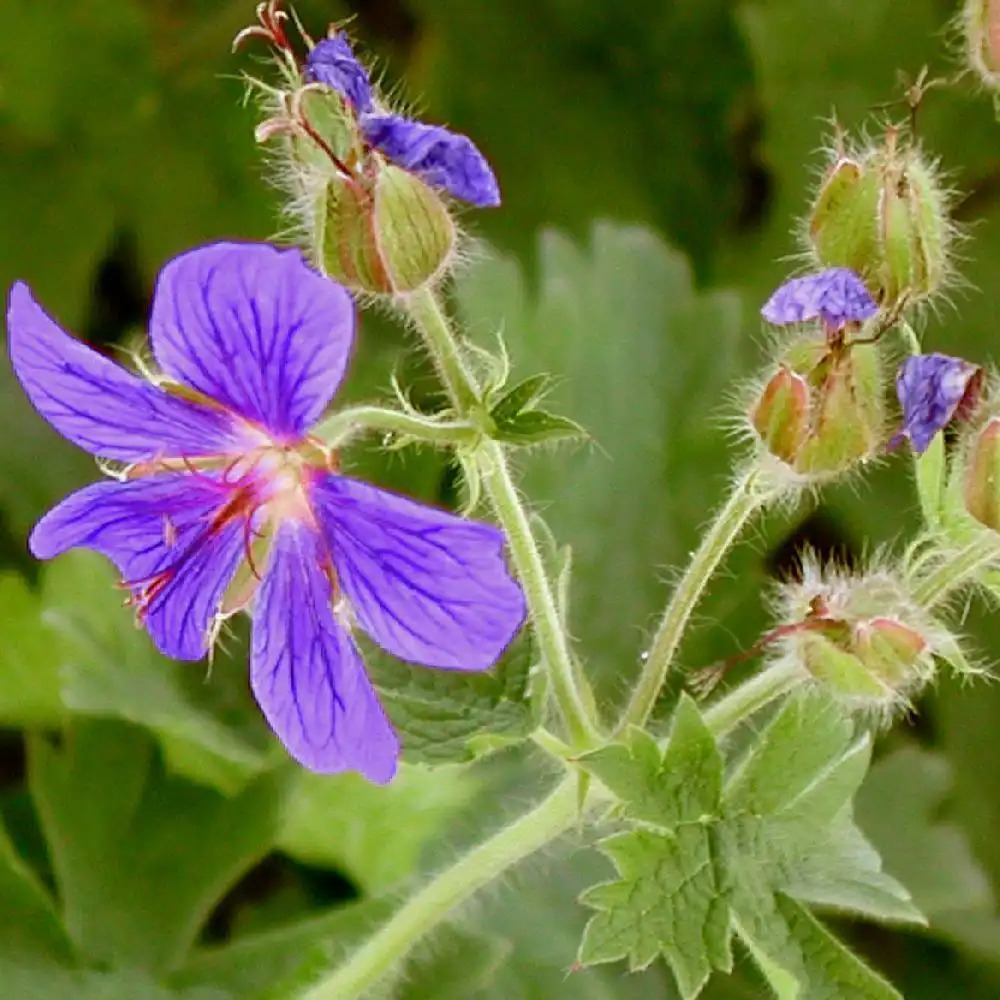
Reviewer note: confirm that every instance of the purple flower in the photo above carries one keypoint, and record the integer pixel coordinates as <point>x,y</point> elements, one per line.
<point>227,503</point>
<point>444,159</point>
<point>837,296</point>
<point>332,62</point>
<point>932,389</point>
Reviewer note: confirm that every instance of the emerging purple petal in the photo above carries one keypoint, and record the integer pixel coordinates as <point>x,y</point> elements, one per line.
<point>426,585</point>
<point>332,62</point>
<point>305,670</point>
<point>160,532</point>
<point>932,389</point>
<point>97,404</point>
<point>256,330</point>
<point>442,158</point>
<point>837,296</point>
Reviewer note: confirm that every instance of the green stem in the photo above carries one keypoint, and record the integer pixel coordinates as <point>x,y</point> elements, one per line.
<point>552,642</point>
<point>341,426</point>
<point>745,500</point>
<point>751,696</point>
<point>430,906</point>
<point>431,322</point>
<point>435,901</point>
<point>949,575</point>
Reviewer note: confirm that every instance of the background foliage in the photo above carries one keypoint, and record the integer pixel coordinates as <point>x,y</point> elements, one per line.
<point>153,841</point>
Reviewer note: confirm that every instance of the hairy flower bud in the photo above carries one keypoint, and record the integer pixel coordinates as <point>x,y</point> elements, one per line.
<point>861,637</point>
<point>981,27</point>
<point>822,411</point>
<point>390,236</point>
<point>883,213</point>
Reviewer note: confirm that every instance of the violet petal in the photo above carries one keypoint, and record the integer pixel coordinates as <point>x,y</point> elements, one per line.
<point>306,672</point>
<point>837,296</point>
<point>426,585</point>
<point>255,329</point>
<point>97,404</point>
<point>147,526</point>
<point>444,159</point>
<point>931,387</point>
<point>332,62</point>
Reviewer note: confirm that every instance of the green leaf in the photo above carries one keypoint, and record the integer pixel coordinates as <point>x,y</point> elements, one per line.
<point>116,826</point>
<point>346,823</point>
<point>802,960</point>
<point>681,784</point>
<point>668,899</point>
<point>446,715</point>
<point>285,959</point>
<point>522,396</point>
<point>29,694</point>
<point>587,85</point>
<point>536,427</point>
<point>645,363</point>
<point>207,724</point>
<point>703,858</point>
<point>899,808</point>
<point>29,921</point>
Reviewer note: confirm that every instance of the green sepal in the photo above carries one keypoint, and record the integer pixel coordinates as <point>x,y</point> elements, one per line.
<point>536,427</point>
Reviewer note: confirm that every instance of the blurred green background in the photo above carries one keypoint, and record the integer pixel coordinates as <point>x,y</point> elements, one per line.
<point>654,156</point>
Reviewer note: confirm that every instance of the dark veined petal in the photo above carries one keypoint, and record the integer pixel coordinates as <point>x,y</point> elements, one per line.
<point>426,585</point>
<point>333,63</point>
<point>255,329</point>
<point>155,525</point>
<point>932,389</point>
<point>306,672</point>
<point>837,296</point>
<point>97,404</point>
<point>442,158</point>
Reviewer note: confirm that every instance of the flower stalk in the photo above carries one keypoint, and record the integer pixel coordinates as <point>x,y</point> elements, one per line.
<point>432,904</point>
<point>342,426</point>
<point>746,499</point>
<point>955,571</point>
<point>429,319</point>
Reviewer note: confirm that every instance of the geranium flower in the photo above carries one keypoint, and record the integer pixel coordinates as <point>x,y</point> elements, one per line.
<point>837,296</point>
<point>225,502</point>
<point>444,159</point>
<point>933,389</point>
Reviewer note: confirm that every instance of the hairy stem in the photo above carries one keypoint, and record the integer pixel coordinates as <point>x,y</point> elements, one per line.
<point>746,499</point>
<point>751,696</point>
<point>345,424</point>
<point>431,905</point>
<point>957,570</point>
<point>429,318</point>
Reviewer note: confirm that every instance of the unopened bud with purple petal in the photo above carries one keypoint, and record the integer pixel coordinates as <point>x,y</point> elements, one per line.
<point>445,160</point>
<point>332,63</point>
<point>883,213</point>
<point>933,390</point>
<point>836,296</point>
<point>821,412</point>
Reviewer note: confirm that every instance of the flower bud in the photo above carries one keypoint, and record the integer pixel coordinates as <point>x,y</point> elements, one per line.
<point>884,214</point>
<point>982,476</point>
<point>861,637</point>
<point>390,236</point>
<point>822,411</point>
<point>981,25</point>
